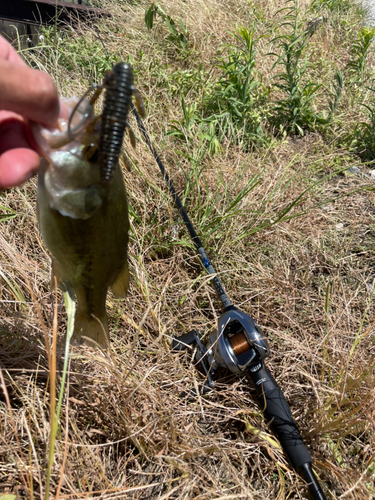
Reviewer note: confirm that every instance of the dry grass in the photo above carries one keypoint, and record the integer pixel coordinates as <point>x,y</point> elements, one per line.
<point>126,431</point>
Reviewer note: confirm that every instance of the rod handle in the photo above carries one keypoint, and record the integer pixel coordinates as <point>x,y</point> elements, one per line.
<point>277,411</point>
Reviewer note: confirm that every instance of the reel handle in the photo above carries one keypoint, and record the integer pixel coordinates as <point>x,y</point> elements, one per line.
<point>277,411</point>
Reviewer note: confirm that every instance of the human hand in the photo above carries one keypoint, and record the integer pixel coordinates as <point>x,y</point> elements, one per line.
<point>25,94</point>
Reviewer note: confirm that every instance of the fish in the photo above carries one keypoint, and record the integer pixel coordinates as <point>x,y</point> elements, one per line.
<point>84,222</point>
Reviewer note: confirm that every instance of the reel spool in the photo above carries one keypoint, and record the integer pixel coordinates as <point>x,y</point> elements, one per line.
<point>236,343</point>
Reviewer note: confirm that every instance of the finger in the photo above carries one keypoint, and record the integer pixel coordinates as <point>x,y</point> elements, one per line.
<point>8,53</point>
<point>17,166</point>
<point>28,92</point>
<point>18,162</point>
<point>13,132</point>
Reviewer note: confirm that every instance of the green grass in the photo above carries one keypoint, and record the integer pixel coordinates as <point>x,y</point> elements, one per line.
<point>258,119</point>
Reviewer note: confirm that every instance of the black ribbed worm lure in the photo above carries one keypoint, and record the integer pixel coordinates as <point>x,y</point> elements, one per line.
<point>119,85</point>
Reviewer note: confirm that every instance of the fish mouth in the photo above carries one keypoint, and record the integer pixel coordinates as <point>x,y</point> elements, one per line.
<point>67,131</point>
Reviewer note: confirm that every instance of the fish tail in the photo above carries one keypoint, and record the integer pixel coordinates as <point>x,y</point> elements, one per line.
<point>90,330</point>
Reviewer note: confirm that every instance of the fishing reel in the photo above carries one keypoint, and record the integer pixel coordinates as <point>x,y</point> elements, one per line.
<point>237,344</point>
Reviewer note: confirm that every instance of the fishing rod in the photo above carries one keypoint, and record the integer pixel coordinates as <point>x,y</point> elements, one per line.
<point>239,345</point>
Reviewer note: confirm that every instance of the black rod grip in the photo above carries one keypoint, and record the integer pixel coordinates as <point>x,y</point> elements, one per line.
<point>277,411</point>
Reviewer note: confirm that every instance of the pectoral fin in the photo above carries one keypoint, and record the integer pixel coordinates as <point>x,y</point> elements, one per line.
<point>120,286</point>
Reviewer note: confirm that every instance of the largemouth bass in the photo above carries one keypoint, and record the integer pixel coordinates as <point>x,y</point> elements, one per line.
<point>83,221</point>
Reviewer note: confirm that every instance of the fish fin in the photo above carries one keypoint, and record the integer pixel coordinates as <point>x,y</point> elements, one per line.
<point>120,286</point>
<point>56,272</point>
<point>90,330</point>
<point>63,284</point>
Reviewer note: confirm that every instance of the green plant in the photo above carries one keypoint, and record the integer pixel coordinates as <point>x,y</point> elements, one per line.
<point>227,203</point>
<point>237,85</point>
<point>13,289</point>
<point>332,6</point>
<point>342,15</point>
<point>83,55</point>
<point>233,108</point>
<point>177,35</point>
<point>360,51</point>
<point>7,213</point>
<point>294,112</point>
<point>363,137</point>
<point>55,411</point>
<point>238,102</point>
<point>271,211</point>
<point>188,81</point>
<point>335,97</point>
<point>184,128</point>
<point>194,126</point>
